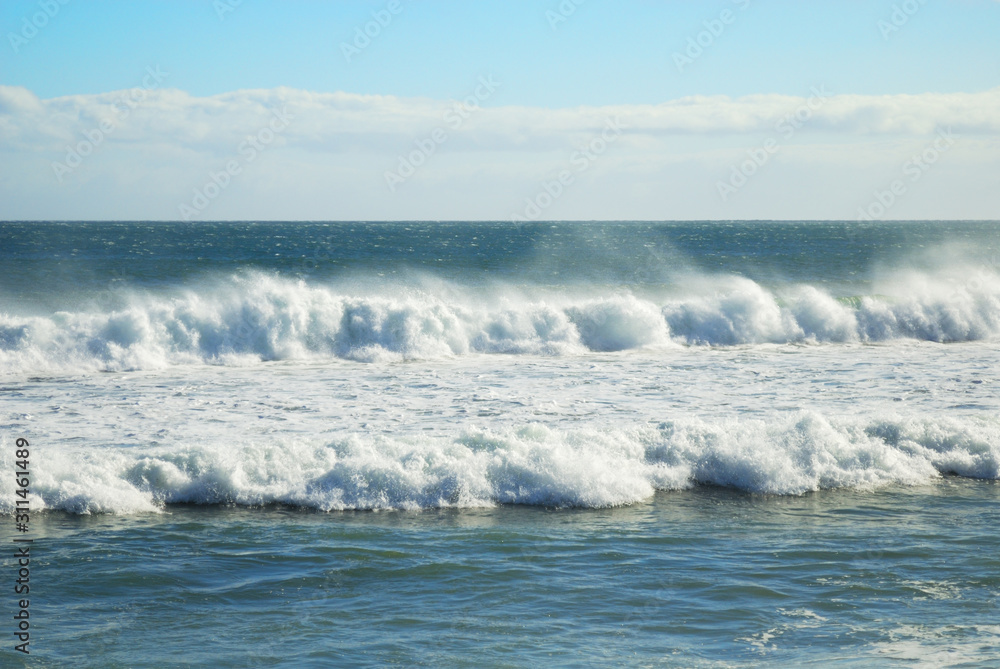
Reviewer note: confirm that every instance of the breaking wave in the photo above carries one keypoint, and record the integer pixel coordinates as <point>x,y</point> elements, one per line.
<point>532,465</point>
<point>254,317</point>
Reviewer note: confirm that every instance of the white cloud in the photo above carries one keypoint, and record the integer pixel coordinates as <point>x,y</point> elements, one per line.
<point>331,158</point>
<point>339,119</point>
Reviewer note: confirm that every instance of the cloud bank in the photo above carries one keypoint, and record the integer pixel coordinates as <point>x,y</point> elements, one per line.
<point>146,153</point>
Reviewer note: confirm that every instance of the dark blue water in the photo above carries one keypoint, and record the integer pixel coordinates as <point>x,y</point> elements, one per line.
<point>46,261</point>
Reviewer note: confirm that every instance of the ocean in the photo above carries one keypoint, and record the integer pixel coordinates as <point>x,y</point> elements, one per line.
<point>677,444</point>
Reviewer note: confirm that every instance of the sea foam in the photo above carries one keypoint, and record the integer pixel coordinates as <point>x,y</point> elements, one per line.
<point>250,318</point>
<point>531,465</point>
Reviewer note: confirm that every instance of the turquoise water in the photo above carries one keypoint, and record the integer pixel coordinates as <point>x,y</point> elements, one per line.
<point>419,444</point>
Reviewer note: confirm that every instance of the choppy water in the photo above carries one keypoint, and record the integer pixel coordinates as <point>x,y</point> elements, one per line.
<point>683,444</point>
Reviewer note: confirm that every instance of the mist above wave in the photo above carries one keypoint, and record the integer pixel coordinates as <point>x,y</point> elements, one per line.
<point>253,317</point>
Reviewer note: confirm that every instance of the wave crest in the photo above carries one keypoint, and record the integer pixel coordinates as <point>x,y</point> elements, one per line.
<point>533,464</point>
<point>256,318</point>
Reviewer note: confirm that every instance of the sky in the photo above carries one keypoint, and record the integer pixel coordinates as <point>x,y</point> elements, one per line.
<point>548,110</point>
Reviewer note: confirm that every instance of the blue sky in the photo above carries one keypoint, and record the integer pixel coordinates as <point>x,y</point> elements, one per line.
<point>619,57</point>
<point>604,53</point>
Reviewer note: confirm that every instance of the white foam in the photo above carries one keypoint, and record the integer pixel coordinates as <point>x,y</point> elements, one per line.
<point>533,465</point>
<point>254,317</point>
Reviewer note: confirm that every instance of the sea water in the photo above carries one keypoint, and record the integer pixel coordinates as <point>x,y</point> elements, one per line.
<point>716,444</point>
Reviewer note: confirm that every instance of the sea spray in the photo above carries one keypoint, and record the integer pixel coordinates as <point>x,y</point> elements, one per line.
<point>532,464</point>
<point>252,317</point>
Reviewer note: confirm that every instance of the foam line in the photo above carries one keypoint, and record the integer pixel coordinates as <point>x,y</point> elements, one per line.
<point>532,465</point>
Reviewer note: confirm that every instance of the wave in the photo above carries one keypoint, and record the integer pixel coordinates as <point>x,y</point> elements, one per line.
<point>532,465</point>
<point>252,317</point>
